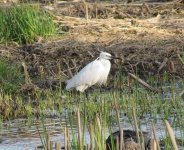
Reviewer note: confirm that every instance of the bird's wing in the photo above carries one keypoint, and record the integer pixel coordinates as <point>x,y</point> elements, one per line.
<point>89,75</point>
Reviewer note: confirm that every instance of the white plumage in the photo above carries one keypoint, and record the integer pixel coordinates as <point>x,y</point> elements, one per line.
<point>95,72</point>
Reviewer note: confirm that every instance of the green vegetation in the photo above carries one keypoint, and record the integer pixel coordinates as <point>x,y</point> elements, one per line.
<point>98,114</point>
<point>24,24</point>
<point>11,77</point>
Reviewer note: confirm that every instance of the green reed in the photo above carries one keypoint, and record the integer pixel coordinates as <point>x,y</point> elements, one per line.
<point>24,23</point>
<point>98,112</point>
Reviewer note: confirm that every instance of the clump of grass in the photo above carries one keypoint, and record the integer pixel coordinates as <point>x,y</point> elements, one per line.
<point>24,24</point>
<point>11,77</point>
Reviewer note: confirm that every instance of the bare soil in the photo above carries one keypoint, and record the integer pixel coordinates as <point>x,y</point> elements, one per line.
<point>149,37</point>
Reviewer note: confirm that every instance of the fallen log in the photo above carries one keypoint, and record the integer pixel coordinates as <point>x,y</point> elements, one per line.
<point>146,85</point>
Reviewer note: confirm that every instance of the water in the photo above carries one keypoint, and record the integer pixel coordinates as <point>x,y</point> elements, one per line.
<point>21,134</point>
<point>18,135</point>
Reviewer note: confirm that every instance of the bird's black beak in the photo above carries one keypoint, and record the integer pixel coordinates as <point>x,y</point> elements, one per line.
<point>113,57</point>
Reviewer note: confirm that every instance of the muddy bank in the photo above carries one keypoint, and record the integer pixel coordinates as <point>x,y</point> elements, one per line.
<point>148,44</point>
<point>66,57</point>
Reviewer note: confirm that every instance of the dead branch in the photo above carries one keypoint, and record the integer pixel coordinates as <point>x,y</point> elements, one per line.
<point>163,64</point>
<point>142,82</point>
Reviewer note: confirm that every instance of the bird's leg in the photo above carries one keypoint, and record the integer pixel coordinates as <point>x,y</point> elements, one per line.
<point>100,89</point>
<point>84,109</point>
<point>86,95</point>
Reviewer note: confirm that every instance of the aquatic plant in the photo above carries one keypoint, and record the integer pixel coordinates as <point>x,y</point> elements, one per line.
<point>98,114</point>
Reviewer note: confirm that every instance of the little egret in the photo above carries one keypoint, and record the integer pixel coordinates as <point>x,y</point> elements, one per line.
<point>96,72</point>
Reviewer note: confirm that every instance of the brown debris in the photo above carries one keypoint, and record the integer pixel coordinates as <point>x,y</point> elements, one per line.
<point>27,88</point>
<point>27,78</point>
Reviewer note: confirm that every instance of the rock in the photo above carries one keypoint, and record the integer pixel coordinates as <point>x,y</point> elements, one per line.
<point>130,140</point>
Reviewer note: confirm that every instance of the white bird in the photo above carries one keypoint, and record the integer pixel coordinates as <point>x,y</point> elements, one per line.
<point>96,72</point>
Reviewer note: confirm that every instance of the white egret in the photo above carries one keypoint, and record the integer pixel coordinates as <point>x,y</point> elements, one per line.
<point>96,72</point>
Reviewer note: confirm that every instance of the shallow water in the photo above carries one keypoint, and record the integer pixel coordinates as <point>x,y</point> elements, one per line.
<point>17,134</point>
<point>21,134</point>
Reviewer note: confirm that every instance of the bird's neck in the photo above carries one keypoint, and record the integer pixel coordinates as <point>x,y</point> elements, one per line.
<point>105,62</point>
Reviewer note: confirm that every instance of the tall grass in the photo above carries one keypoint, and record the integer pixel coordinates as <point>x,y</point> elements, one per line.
<point>24,23</point>
<point>11,77</point>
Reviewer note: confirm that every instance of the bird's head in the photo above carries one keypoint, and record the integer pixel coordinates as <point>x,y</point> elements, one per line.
<point>107,56</point>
